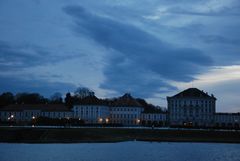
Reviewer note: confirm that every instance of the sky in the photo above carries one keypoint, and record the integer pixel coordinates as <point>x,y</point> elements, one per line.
<point>151,49</point>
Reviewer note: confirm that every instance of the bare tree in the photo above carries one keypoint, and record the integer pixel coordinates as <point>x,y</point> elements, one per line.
<point>82,92</point>
<point>56,98</point>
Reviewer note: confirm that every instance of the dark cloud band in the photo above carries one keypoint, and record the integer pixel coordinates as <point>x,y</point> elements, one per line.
<point>136,52</point>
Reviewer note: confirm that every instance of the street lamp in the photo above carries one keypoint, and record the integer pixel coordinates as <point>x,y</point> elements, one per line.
<point>11,119</point>
<point>138,121</point>
<point>100,120</point>
<point>107,120</point>
<point>33,121</point>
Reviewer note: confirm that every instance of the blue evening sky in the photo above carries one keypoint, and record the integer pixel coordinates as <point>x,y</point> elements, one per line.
<point>151,49</point>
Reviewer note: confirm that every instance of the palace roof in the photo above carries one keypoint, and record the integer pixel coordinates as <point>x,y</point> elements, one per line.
<point>193,93</point>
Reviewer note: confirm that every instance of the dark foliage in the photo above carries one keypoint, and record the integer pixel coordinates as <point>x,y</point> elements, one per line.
<point>6,98</point>
<point>30,98</point>
<point>56,98</point>
<point>69,100</point>
<point>149,108</point>
<point>81,96</point>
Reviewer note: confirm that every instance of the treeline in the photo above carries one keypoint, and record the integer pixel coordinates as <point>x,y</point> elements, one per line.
<point>7,98</point>
<point>86,96</point>
<point>80,96</point>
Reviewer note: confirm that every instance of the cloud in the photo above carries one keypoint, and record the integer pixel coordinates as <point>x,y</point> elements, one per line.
<point>202,8</point>
<point>124,75</point>
<point>44,87</point>
<point>219,39</point>
<point>141,51</point>
<point>193,12</point>
<point>12,57</point>
<point>17,57</point>
<point>223,82</point>
<point>120,46</point>
<point>227,94</point>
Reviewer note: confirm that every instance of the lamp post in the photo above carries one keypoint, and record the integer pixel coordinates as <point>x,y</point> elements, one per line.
<point>33,121</point>
<point>11,119</point>
<point>107,120</point>
<point>68,122</point>
<point>236,125</point>
<point>138,121</point>
<point>100,120</point>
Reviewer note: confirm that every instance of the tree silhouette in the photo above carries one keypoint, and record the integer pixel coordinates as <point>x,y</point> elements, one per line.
<point>82,92</point>
<point>56,98</point>
<point>6,99</point>
<point>30,98</point>
<point>69,100</point>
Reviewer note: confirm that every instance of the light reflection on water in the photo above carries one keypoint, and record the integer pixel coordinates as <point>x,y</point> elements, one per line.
<point>124,151</point>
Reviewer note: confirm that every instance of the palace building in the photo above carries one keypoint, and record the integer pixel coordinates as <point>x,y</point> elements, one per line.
<point>196,108</point>
<point>28,112</point>
<point>189,108</point>
<point>126,111</point>
<point>91,110</point>
<point>192,107</point>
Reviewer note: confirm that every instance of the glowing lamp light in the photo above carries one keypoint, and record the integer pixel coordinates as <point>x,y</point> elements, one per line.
<point>12,116</point>
<point>33,117</point>
<point>107,120</point>
<point>100,120</point>
<point>138,121</point>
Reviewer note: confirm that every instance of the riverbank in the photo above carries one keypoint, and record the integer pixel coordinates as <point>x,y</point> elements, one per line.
<point>78,135</point>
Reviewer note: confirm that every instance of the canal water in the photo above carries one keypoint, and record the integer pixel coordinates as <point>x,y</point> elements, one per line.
<point>123,151</point>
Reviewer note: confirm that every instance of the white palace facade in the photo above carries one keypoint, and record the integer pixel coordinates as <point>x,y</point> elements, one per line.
<point>189,108</point>
<point>91,114</point>
<point>195,108</point>
<point>28,112</point>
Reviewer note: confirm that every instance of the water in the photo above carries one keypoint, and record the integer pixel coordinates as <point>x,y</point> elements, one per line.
<point>124,151</point>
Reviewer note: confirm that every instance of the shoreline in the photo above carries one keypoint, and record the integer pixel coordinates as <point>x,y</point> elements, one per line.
<point>113,135</point>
